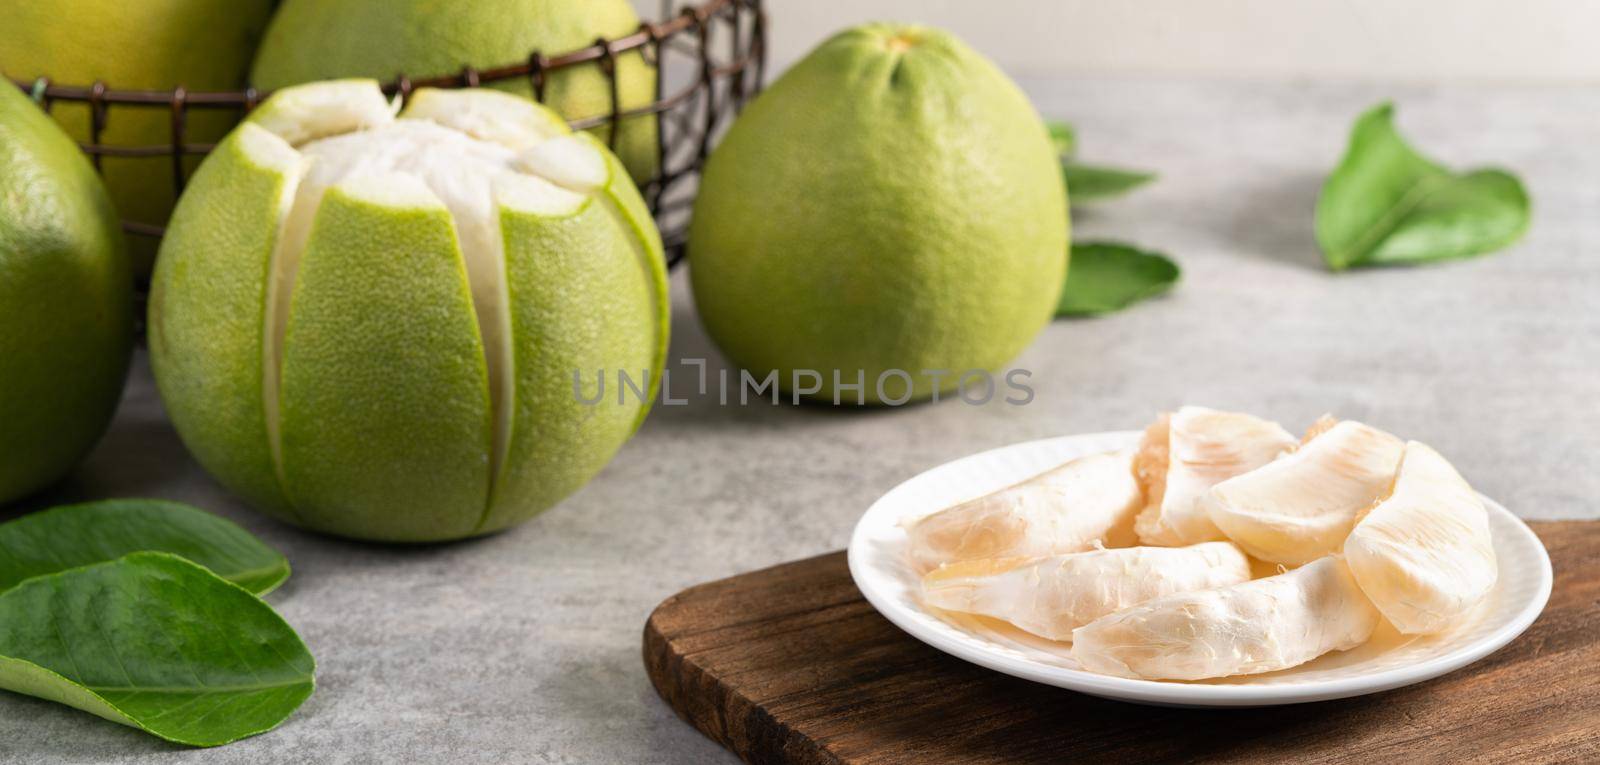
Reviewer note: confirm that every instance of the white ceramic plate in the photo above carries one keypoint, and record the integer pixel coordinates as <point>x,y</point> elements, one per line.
<point>1390,660</point>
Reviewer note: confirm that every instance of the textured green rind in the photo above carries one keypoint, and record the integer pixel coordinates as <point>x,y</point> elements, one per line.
<point>879,210</point>
<point>385,418</point>
<point>207,313</point>
<point>157,643</point>
<point>95,532</point>
<point>66,315</point>
<point>630,208</point>
<point>583,301</point>
<point>150,44</point>
<point>324,39</point>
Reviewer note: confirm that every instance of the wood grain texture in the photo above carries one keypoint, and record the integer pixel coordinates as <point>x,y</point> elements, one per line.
<point>791,665</point>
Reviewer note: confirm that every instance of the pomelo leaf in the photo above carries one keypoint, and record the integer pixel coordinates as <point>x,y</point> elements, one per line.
<point>1385,204</point>
<point>157,643</point>
<point>1064,137</point>
<point>1103,277</point>
<point>78,535</point>
<point>1087,183</point>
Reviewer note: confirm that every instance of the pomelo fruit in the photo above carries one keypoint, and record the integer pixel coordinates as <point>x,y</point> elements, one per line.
<point>66,313</point>
<point>145,45</point>
<point>371,325</point>
<point>324,39</point>
<point>893,202</point>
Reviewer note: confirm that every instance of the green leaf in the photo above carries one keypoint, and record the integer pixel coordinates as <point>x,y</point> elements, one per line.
<point>1088,183</point>
<point>1386,204</point>
<point>1064,136</point>
<point>78,535</point>
<point>1107,276</point>
<point>155,642</point>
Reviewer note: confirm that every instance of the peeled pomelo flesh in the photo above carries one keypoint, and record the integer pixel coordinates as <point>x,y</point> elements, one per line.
<point>1070,508</point>
<point>892,203</point>
<point>66,314</point>
<point>311,40</point>
<point>202,45</point>
<point>1262,625</point>
<point>1424,555</point>
<point>1184,454</point>
<point>1301,506</point>
<point>1054,595</point>
<point>369,324</point>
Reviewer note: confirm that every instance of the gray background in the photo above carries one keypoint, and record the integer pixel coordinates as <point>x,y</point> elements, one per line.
<point>525,646</point>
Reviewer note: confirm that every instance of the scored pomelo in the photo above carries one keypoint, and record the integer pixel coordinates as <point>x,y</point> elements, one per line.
<point>893,202</point>
<point>145,45</point>
<point>66,314</point>
<point>370,325</point>
<point>325,39</point>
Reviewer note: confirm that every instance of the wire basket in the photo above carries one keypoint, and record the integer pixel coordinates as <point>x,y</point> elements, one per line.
<point>709,60</point>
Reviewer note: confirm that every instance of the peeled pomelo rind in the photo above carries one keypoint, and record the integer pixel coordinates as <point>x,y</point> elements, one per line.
<point>273,152</point>
<point>616,280</point>
<point>622,198</point>
<point>317,39</point>
<point>445,174</point>
<point>304,113</point>
<point>374,256</point>
<point>210,291</point>
<point>298,115</point>
<point>487,115</point>
<point>569,161</point>
<point>532,195</point>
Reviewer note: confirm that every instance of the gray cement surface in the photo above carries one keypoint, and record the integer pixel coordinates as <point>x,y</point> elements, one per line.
<point>524,647</point>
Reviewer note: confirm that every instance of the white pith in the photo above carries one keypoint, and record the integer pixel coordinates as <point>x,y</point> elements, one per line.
<point>459,151</point>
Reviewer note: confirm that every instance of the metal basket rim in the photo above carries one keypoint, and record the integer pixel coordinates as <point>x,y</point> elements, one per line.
<point>692,17</point>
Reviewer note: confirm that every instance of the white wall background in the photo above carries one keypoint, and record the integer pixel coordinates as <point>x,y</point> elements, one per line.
<point>1407,40</point>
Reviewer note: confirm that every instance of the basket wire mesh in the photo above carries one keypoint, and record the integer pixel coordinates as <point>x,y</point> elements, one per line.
<point>709,60</point>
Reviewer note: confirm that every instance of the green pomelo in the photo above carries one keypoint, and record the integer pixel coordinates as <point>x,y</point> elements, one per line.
<point>370,325</point>
<point>325,39</point>
<point>66,314</point>
<point>146,45</point>
<point>893,202</point>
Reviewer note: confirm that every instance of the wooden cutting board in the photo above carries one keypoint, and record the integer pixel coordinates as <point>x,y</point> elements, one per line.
<point>791,665</point>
